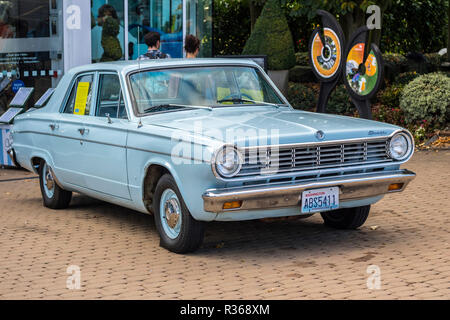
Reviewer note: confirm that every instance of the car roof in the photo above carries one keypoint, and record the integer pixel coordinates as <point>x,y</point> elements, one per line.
<point>132,65</point>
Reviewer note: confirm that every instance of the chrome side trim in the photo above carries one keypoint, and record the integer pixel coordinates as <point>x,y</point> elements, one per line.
<point>289,194</point>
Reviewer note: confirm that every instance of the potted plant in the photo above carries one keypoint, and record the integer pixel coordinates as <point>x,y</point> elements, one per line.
<point>271,36</point>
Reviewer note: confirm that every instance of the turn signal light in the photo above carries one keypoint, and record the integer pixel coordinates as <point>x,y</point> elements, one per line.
<point>395,186</point>
<point>232,205</point>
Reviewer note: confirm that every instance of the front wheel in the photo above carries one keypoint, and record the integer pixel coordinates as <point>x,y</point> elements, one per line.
<point>179,232</point>
<point>349,218</point>
<point>53,196</point>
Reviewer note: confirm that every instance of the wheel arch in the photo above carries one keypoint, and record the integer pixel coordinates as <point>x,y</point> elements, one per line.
<point>153,172</point>
<point>36,159</point>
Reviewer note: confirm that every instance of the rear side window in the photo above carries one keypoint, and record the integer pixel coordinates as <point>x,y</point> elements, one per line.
<point>110,98</point>
<point>80,97</point>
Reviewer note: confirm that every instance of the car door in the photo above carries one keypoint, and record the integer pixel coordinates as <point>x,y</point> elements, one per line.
<point>105,151</point>
<point>70,131</point>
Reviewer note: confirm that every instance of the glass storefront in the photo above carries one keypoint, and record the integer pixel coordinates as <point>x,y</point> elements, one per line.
<point>30,47</point>
<point>138,17</point>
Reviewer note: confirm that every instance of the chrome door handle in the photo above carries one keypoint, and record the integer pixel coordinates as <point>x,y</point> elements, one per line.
<point>83,131</point>
<point>53,126</point>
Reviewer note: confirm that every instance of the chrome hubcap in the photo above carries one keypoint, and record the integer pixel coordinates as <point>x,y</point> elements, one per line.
<point>170,212</point>
<point>49,181</point>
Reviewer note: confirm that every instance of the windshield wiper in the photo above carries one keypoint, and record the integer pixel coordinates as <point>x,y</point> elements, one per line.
<point>241,100</point>
<point>174,105</point>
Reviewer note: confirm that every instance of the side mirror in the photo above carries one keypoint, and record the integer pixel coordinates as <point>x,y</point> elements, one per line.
<point>109,118</point>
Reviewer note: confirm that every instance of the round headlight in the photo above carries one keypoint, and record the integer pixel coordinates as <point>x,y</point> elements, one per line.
<point>399,146</point>
<point>228,162</point>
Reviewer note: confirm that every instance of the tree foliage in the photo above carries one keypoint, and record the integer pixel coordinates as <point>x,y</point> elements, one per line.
<point>415,25</point>
<point>272,37</point>
<point>231,25</point>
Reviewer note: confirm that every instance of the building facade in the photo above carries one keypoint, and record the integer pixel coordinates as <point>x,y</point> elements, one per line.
<point>42,39</point>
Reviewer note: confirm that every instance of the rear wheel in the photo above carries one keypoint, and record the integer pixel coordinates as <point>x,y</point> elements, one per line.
<point>53,196</point>
<point>349,218</point>
<point>178,231</point>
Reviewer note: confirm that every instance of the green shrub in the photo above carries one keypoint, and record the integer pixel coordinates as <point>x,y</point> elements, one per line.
<point>301,96</point>
<point>405,78</point>
<point>302,58</point>
<point>390,96</point>
<point>427,98</point>
<point>271,36</point>
<point>394,65</point>
<point>395,58</point>
<point>340,102</point>
<point>387,114</point>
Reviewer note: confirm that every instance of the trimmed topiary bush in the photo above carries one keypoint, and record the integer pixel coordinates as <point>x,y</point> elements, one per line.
<point>427,98</point>
<point>111,45</point>
<point>271,36</point>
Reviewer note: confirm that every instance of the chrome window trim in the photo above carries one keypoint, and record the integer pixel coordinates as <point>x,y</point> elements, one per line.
<point>70,87</point>
<point>99,74</point>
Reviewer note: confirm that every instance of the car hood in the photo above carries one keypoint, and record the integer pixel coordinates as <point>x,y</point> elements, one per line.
<point>268,125</point>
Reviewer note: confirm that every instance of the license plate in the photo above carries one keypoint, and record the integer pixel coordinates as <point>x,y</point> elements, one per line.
<point>318,200</point>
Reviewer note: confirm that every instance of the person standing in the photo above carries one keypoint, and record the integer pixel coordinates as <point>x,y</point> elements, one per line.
<point>153,41</point>
<point>191,46</point>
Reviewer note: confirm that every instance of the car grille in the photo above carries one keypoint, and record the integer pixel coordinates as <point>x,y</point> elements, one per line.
<point>270,160</point>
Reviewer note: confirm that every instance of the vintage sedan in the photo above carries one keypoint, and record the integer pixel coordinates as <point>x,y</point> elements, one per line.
<point>201,140</point>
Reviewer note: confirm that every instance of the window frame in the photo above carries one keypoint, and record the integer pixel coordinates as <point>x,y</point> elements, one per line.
<point>94,88</point>
<point>97,95</point>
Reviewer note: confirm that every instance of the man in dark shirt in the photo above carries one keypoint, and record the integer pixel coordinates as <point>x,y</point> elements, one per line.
<point>152,40</point>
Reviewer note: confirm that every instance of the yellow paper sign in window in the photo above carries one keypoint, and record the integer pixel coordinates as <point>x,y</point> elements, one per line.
<point>81,98</point>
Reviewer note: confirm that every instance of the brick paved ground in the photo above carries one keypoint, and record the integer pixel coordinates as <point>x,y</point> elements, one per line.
<point>118,251</point>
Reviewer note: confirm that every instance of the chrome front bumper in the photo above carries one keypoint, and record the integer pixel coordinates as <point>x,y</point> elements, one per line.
<point>270,196</point>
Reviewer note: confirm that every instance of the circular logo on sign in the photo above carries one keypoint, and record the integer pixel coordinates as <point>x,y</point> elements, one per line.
<point>326,57</point>
<point>362,83</point>
<point>16,85</point>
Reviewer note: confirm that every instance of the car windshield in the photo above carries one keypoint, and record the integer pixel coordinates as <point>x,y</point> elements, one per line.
<point>177,88</point>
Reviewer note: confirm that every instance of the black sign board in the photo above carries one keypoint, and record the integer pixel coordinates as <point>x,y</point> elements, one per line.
<point>21,97</point>
<point>9,115</point>
<point>44,99</point>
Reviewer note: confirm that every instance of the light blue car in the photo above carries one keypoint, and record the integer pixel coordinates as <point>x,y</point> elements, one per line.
<point>201,140</point>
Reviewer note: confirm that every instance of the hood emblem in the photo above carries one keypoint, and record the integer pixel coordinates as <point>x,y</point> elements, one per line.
<point>320,134</point>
